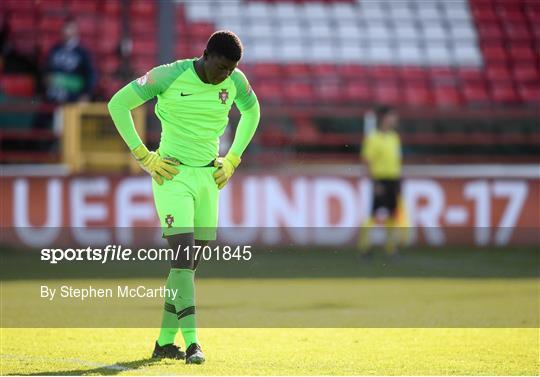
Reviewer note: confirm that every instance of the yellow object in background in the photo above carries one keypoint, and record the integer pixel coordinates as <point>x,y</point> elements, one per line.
<point>382,151</point>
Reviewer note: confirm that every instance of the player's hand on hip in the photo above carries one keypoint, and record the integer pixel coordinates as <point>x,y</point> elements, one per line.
<point>160,168</point>
<point>226,166</point>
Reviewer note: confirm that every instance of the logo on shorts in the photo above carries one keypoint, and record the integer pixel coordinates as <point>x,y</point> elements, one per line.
<point>224,96</point>
<point>169,220</point>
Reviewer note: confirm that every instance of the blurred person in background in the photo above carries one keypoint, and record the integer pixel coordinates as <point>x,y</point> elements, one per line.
<point>69,73</point>
<point>16,63</point>
<point>381,154</point>
<point>13,61</point>
<point>125,70</point>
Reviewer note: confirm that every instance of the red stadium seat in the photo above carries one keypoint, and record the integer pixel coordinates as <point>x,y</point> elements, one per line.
<point>387,93</point>
<point>26,44</point>
<point>418,95</point>
<point>247,69</point>
<point>47,42</point>
<point>351,72</point>
<point>142,27</point>
<point>328,91</point>
<point>447,96</point>
<point>181,27</point>
<point>108,64</point>
<point>143,8</point>
<point>181,50</point>
<point>195,48</point>
<point>272,135</point>
<point>296,71</point>
<point>266,71</point>
<point>109,30</point>
<point>443,75</point>
<point>522,54</point>
<point>200,30</point>
<point>17,85</point>
<point>499,72</point>
<point>306,132</point>
<point>87,25</point>
<point>504,92</point>
<point>142,64</point>
<point>22,22</point>
<point>526,73</point>
<point>90,42</point>
<point>471,74</point>
<point>508,5</point>
<point>413,74</point>
<point>82,6</point>
<point>513,16</point>
<point>112,85</point>
<point>50,6</point>
<point>533,13</point>
<point>19,6</point>
<point>490,32</point>
<point>112,8</point>
<point>517,31</point>
<point>536,33</point>
<point>51,24</point>
<point>475,93</point>
<point>269,91</point>
<point>358,91</point>
<point>383,73</point>
<point>529,93</point>
<point>180,13</point>
<point>301,92</point>
<point>494,54</point>
<point>484,14</point>
<point>144,46</point>
<point>324,71</point>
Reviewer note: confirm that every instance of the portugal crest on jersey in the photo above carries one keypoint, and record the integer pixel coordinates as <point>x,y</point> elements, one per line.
<point>224,96</point>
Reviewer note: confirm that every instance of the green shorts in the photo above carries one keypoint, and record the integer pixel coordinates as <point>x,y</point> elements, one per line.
<point>188,203</point>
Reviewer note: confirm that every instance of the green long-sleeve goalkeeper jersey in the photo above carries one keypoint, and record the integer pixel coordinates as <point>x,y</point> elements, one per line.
<point>193,114</point>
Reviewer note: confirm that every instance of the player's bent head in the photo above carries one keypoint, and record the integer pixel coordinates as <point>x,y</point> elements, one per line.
<point>223,52</point>
<point>387,117</point>
<point>226,44</point>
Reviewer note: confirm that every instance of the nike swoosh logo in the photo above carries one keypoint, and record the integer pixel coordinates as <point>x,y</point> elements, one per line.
<point>184,94</point>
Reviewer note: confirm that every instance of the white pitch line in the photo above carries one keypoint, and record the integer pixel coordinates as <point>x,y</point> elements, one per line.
<point>67,361</point>
<point>83,363</point>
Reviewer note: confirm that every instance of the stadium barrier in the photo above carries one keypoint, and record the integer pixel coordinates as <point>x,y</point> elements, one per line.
<point>483,135</point>
<point>88,144</point>
<point>474,205</point>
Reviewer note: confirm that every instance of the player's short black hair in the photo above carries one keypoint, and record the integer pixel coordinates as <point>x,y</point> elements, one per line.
<point>225,43</point>
<point>382,111</point>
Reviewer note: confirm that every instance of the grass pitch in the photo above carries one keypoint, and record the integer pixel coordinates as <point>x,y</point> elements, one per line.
<point>432,290</point>
<point>277,352</point>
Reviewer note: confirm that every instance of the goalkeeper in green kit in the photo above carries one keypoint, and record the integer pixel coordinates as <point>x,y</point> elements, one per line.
<point>194,97</point>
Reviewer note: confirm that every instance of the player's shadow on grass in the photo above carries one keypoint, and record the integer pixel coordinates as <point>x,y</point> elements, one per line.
<point>104,370</point>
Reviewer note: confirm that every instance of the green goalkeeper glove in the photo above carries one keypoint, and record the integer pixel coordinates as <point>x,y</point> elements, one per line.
<point>226,166</point>
<point>158,167</point>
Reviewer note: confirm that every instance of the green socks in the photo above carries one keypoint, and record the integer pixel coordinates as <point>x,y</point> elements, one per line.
<point>179,312</point>
<point>169,321</point>
<point>183,280</point>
